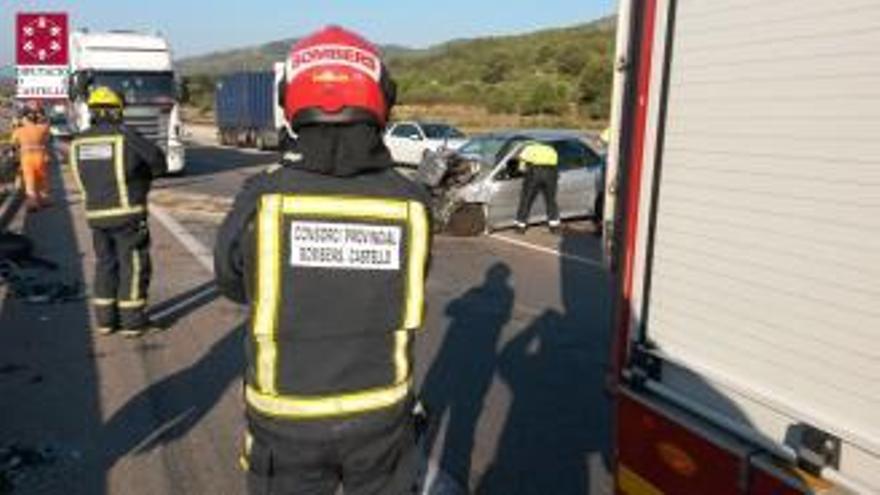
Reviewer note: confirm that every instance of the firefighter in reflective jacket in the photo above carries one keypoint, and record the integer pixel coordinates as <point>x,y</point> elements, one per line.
<point>114,167</point>
<point>330,250</point>
<point>541,175</point>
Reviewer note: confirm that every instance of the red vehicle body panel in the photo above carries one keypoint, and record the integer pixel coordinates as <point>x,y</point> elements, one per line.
<point>671,457</point>
<point>658,452</point>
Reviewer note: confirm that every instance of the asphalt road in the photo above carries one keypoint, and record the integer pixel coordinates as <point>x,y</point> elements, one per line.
<point>512,359</point>
<point>514,351</point>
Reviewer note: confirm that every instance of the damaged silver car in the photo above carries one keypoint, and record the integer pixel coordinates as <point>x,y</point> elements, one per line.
<point>477,187</point>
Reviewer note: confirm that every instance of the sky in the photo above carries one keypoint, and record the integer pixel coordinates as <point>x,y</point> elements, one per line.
<point>200,26</point>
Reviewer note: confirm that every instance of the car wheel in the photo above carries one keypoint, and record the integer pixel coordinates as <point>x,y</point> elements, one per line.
<point>599,213</point>
<point>467,221</point>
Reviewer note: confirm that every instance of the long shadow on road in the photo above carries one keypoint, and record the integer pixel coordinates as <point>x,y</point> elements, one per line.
<point>556,438</point>
<point>176,403</point>
<point>556,434</point>
<point>53,401</point>
<point>463,369</point>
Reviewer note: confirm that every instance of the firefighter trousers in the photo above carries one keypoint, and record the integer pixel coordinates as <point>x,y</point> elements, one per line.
<point>364,455</point>
<point>122,275</point>
<point>542,180</point>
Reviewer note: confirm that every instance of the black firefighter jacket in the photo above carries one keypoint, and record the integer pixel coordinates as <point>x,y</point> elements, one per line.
<point>330,250</point>
<point>114,167</point>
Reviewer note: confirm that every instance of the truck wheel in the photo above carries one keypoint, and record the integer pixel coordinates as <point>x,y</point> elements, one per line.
<point>467,221</point>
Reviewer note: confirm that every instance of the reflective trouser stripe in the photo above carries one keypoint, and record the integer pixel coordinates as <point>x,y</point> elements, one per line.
<point>115,212</point>
<point>297,407</point>
<point>244,459</point>
<point>134,292</point>
<point>103,302</point>
<point>133,304</point>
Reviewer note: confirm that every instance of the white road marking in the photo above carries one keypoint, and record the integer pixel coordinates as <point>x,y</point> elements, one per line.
<point>199,251</point>
<point>546,250</point>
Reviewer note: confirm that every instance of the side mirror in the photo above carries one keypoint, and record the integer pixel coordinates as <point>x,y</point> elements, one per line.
<point>78,86</point>
<point>72,90</point>
<point>182,90</point>
<point>75,87</point>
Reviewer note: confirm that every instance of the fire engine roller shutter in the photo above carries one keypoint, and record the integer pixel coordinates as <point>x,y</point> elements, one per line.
<point>766,258</point>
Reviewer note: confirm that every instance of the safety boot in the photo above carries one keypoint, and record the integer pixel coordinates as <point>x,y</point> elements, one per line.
<point>104,331</point>
<point>134,333</point>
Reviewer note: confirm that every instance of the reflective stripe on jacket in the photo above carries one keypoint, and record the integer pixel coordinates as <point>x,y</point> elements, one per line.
<point>113,168</point>
<point>335,279</point>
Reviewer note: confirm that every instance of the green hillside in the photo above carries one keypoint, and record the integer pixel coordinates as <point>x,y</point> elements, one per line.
<point>560,72</point>
<point>548,72</point>
<point>256,58</point>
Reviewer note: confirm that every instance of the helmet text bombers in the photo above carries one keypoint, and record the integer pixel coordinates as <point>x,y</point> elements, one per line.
<point>335,76</point>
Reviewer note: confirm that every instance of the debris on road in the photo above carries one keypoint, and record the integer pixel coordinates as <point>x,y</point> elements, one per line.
<point>191,202</point>
<point>34,468</point>
<point>31,278</point>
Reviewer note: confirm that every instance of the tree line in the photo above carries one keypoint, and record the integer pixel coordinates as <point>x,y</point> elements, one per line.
<point>561,72</point>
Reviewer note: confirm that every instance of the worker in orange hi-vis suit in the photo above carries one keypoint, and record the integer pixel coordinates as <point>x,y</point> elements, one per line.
<point>32,138</point>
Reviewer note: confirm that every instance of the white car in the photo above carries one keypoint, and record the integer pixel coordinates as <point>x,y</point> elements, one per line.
<point>409,142</point>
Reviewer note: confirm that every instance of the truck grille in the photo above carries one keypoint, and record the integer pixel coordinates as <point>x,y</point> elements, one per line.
<point>149,122</point>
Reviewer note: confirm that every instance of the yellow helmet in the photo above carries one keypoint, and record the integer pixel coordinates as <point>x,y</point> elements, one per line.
<point>539,154</point>
<point>102,96</point>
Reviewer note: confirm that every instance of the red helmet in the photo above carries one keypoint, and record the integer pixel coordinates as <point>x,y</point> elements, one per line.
<point>335,76</point>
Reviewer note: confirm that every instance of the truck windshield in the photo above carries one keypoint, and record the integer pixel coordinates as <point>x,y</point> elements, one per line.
<point>139,87</point>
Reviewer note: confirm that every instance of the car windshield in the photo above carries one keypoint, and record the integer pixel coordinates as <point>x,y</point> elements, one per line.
<point>441,131</point>
<point>57,119</point>
<point>138,87</point>
<point>485,147</point>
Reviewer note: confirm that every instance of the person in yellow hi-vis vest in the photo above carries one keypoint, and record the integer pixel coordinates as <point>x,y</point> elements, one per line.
<point>114,167</point>
<point>541,176</point>
<point>330,249</point>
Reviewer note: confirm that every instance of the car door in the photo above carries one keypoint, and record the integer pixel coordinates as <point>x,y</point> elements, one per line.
<point>505,184</point>
<point>404,141</point>
<point>578,169</point>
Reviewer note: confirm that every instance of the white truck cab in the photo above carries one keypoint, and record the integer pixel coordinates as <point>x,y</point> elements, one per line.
<point>140,68</point>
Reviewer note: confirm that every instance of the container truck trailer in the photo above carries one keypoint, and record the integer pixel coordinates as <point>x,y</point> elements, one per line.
<point>248,111</point>
<point>744,180</point>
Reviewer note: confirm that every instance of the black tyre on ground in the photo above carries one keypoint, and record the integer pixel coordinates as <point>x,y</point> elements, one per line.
<point>468,220</point>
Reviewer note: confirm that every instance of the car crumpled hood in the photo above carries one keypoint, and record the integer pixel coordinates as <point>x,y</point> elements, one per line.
<point>449,170</point>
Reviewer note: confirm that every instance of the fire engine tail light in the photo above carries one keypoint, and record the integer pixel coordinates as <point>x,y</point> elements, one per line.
<point>677,459</point>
